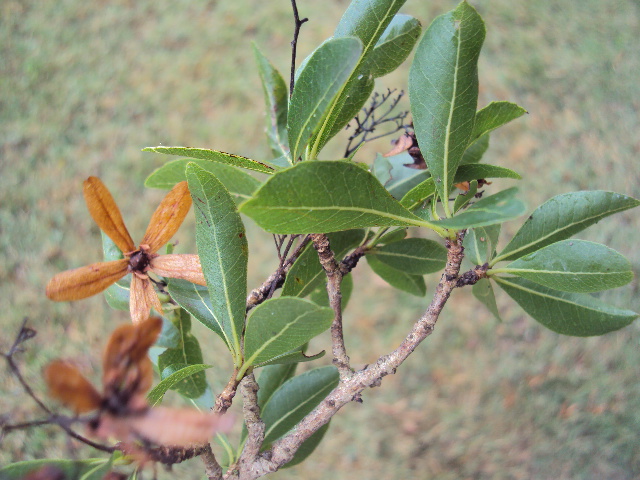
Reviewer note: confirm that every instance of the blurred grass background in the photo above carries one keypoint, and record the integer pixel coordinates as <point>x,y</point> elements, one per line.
<point>85,85</point>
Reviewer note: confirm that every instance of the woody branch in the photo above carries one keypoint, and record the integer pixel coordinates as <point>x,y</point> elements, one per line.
<point>350,388</point>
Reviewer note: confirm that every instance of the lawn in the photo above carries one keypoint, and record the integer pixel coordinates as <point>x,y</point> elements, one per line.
<point>84,86</point>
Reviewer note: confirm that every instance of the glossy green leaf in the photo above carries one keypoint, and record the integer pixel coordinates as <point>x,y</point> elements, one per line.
<point>195,300</point>
<point>306,274</point>
<point>394,46</point>
<point>463,199</point>
<point>476,171</point>
<point>576,314</point>
<point>443,89</point>
<point>417,256</point>
<point>413,284</point>
<point>68,468</point>
<point>169,382</point>
<point>308,446</point>
<point>561,217</point>
<point>483,291</point>
<point>326,196</point>
<point>573,266</point>
<point>276,99</point>
<point>403,178</point>
<point>223,250</point>
<point>494,209</point>
<point>238,182</point>
<point>320,296</point>
<point>281,324</point>
<point>418,194</point>
<point>117,295</point>
<point>296,398</point>
<point>493,116</point>
<point>321,80</point>
<point>214,156</point>
<point>480,243</point>
<point>174,360</point>
<point>475,151</point>
<point>366,20</point>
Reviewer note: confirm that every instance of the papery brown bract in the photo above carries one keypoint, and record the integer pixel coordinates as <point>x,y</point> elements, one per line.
<point>123,411</point>
<point>67,385</point>
<point>92,279</point>
<point>163,426</point>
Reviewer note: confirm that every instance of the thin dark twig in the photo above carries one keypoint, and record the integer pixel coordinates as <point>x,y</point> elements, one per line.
<point>369,120</point>
<point>294,44</point>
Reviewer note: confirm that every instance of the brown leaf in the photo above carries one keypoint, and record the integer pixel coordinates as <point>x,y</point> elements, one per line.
<point>168,217</point>
<point>142,298</point>
<point>182,266</point>
<point>106,213</point>
<point>464,186</point>
<point>85,281</point>
<point>400,145</point>
<point>70,387</point>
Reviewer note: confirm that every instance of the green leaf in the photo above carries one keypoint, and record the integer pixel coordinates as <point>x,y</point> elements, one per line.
<point>576,314</point>
<point>276,99</point>
<point>475,151</point>
<point>174,360</point>
<point>214,156</point>
<point>443,88</point>
<point>345,108</point>
<point>195,300</point>
<point>480,243</point>
<point>497,208</point>
<point>328,196</point>
<point>155,395</point>
<point>493,116</point>
<point>394,46</point>
<point>418,194</point>
<point>117,295</point>
<point>416,256</point>
<point>404,178</point>
<point>170,336</point>
<point>69,468</point>
<point>238,182</point>
<point>320,296</point>
<point>483,291</point>
<point>308,446</point>
<point>295,399</point>
<point>381,169</point>
<point>271,378</point>
<point>561,217</point>
<point>296,355</point>
<point>413,284</point>
<point>463,199</point>
<point>281,324</point>
<point>573,266</point>
<point>306,274</point>
<point>367,21</point>
<point>322,78</point>
<point>476,171</point>
<point>222,246</point>
<point>392,236</point>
